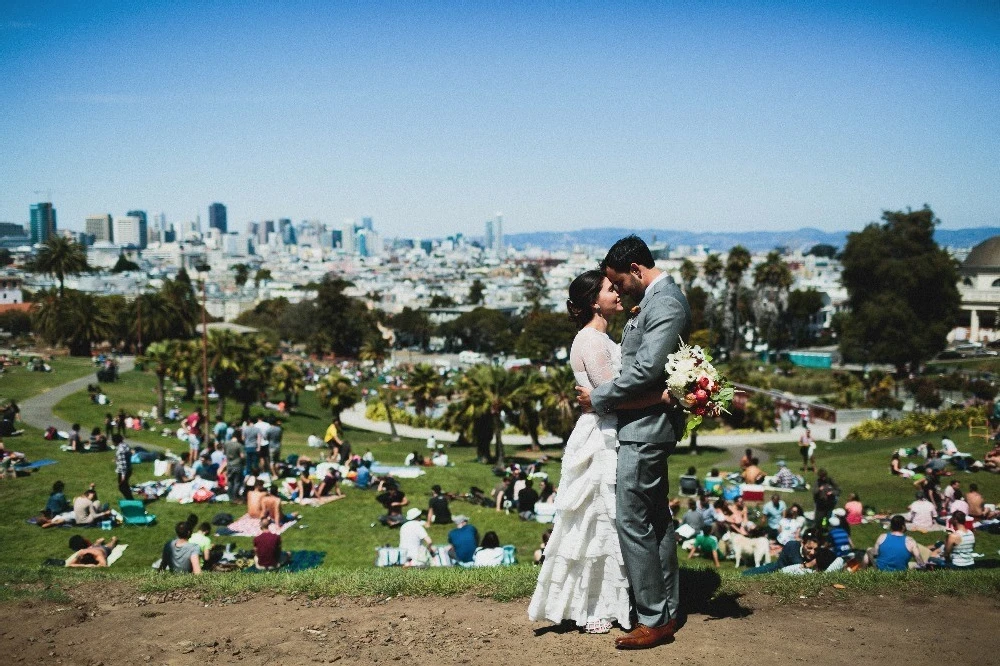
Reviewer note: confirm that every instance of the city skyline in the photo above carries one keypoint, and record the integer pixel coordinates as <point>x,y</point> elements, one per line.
<point>430,117</point>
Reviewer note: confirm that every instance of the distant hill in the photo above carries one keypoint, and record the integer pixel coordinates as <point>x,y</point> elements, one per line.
<point>754,241</point>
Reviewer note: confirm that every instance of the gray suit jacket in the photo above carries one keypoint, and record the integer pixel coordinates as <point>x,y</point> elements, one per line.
<point>655,333</point>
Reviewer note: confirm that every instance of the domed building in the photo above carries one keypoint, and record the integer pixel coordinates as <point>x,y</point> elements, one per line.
<point>979,287</point>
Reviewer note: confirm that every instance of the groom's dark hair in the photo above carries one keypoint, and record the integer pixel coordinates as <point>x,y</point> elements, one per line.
<point>629,250</point>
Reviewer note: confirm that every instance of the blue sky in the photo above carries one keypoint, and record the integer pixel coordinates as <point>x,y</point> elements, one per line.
<point>432,116</point>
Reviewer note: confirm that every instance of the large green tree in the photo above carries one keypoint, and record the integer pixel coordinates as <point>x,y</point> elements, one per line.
<point>737,264</point>
<point>487,390</point>
<point>536,288</point>
<point>74,319</point>
<point>771,280</point>
<point>902,290</point>
<point>481,330</point>
<point>543,334</point>
<point>336,393</point>
<point>425,384</point>
<point>413,328</point>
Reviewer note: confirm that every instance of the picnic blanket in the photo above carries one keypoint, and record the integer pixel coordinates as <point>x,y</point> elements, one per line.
<point>299,560</point>
<point>36,464</point>
<point>248,527</point>
<point>398,472</point>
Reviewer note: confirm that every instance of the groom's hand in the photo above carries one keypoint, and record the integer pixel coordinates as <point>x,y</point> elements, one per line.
<point>583,398</point>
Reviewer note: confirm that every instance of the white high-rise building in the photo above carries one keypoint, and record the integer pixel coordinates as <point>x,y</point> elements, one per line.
<point>127,231</point>
<point>498,247</point>
<point>347,238</point>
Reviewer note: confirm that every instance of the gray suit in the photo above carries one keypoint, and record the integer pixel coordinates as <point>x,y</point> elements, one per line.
<point>648,437</point>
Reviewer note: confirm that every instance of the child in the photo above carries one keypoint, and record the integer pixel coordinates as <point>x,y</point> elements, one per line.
<point>705,544</point>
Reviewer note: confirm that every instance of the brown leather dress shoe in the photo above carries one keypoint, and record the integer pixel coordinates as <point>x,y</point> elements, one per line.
<point>643,637</point>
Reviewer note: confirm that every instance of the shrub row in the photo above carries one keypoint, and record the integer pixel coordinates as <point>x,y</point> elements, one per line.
<point>917,423</point>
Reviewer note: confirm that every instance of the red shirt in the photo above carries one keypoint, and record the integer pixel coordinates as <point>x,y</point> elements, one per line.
<point>268,548</point>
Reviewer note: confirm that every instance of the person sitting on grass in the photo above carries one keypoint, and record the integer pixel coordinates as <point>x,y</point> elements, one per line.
<point>438,510</point>
<point>753,474</point>
<point>705,545</point>
<point>526,500</point>
<point>464,539</point>
<point>202,539</point>
<point>896,469</point>
<point>330,485</point>
<point>958,547</point>
<point>180,555</point>
<point>86,511</point>
<point>98,441</point>
<point>991,460</point>
<point>267,553</point>
<point>57,503</point>
<point>393,499</point>
<point>785,478</point>
<point>538,557</point>
<point>854,510</point>
<point>414,542</point>
<point>304,490</point>
<point>206,469</point>
<point>689,482</point>
<point>893,551</point>
<point>791,525</point>
<point>977,505</point>
<point>271,505</point>
<point>95,555</point>
<point>75,441</point>
<point>922,514</point>
<point>949,451</point>
<point>255,495</point>
<point>489,553</point>
<point>179,472</point>
<point>839,538</point>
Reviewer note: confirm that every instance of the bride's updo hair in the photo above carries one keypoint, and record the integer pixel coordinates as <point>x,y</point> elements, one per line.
<point>583,293</point>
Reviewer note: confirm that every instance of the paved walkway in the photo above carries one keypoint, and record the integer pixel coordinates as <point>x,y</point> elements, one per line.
<point>37,411</point>
<point>355,418</point>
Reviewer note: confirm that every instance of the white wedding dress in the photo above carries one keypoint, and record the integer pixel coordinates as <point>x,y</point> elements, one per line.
<point>583,575</point>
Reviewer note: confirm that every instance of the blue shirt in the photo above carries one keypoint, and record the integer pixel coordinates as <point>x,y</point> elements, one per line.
<point>892,553</point>
<point>464,540</point>
<point>363,478</point>
<point>774,513</point>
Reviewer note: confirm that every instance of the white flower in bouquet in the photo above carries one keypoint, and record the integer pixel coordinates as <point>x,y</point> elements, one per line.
<point>697,385</point>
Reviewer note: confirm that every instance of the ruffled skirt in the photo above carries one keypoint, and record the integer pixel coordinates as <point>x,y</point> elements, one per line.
<point>583,576</point>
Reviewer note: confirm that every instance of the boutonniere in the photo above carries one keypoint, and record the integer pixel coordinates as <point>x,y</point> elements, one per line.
<point>634,312</point>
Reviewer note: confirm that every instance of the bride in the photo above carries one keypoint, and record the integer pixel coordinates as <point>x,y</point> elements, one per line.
<point>583,574</point>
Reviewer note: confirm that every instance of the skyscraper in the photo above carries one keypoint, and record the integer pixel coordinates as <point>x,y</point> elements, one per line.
<point>498,246</point>
<point>99,226</point>
<point>127,230</point>
<point>43,222</point>
<point>217,217</point>
<point>490,236</point>
<point>143,228</point>
<point>367,223</point>
<point>347,240</point>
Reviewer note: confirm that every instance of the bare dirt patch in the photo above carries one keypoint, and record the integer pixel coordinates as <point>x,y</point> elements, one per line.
<point>111,626</point>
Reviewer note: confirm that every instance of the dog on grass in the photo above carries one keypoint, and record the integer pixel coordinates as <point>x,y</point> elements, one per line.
<point>758,547</point>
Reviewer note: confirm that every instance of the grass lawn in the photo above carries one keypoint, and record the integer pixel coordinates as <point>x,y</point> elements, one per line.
<point>19,382</point>
<point>343,529</point>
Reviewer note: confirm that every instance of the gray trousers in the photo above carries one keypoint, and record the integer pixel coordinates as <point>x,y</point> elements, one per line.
<point>646,531</point>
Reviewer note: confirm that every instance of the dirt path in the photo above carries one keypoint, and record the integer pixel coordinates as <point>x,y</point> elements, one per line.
<point>105,627</point>
<point>37,410</point>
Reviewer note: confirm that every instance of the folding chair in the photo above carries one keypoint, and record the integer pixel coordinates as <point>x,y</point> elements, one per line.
<point>134,512</point>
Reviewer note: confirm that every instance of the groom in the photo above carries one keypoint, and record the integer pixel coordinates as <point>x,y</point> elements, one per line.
<point>647,437</point>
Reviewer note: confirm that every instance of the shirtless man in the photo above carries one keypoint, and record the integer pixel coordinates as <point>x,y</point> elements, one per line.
<point>977,507</point>
<point>255,496</point>
<point>270,504</point>
<point>95,555</point>
<point>753,473</point>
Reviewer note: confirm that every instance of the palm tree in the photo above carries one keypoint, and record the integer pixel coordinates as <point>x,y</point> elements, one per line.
<point>228,355</point>
<point>425,385</point>
<point>531,390</point>
<point>689,273</point>
<point>242,273</point>
<point>772,280</point>
<point>77,322</point>
<point>185,364</point>
<point>336,393</point>
<point>287,379</point>
<point>254,374</point>
<point>712,270</point>
<point>60,256</point>
<point>374,349</point>
<point>159,359</point>
<point>559,410</point>
<point>736,265</point>
<point>493,390</point>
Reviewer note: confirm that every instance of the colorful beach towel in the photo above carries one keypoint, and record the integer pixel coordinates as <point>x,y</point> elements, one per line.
<point>248,527</point>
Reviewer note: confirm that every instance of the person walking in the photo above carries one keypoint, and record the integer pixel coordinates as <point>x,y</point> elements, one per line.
<point>123,465</point>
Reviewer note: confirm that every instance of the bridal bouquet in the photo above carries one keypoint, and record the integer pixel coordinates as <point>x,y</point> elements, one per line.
<point>695,383</point>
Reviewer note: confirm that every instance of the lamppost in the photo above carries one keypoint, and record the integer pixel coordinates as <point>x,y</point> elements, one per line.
<point>203,270</point>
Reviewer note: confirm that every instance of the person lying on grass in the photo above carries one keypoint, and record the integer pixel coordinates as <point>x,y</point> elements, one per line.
<point>95,555</point>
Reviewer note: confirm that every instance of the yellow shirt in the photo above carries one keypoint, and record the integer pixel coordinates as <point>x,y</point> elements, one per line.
<point>331,434</point>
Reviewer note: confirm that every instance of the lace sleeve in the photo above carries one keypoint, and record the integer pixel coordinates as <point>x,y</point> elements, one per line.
<point>592,354</point>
